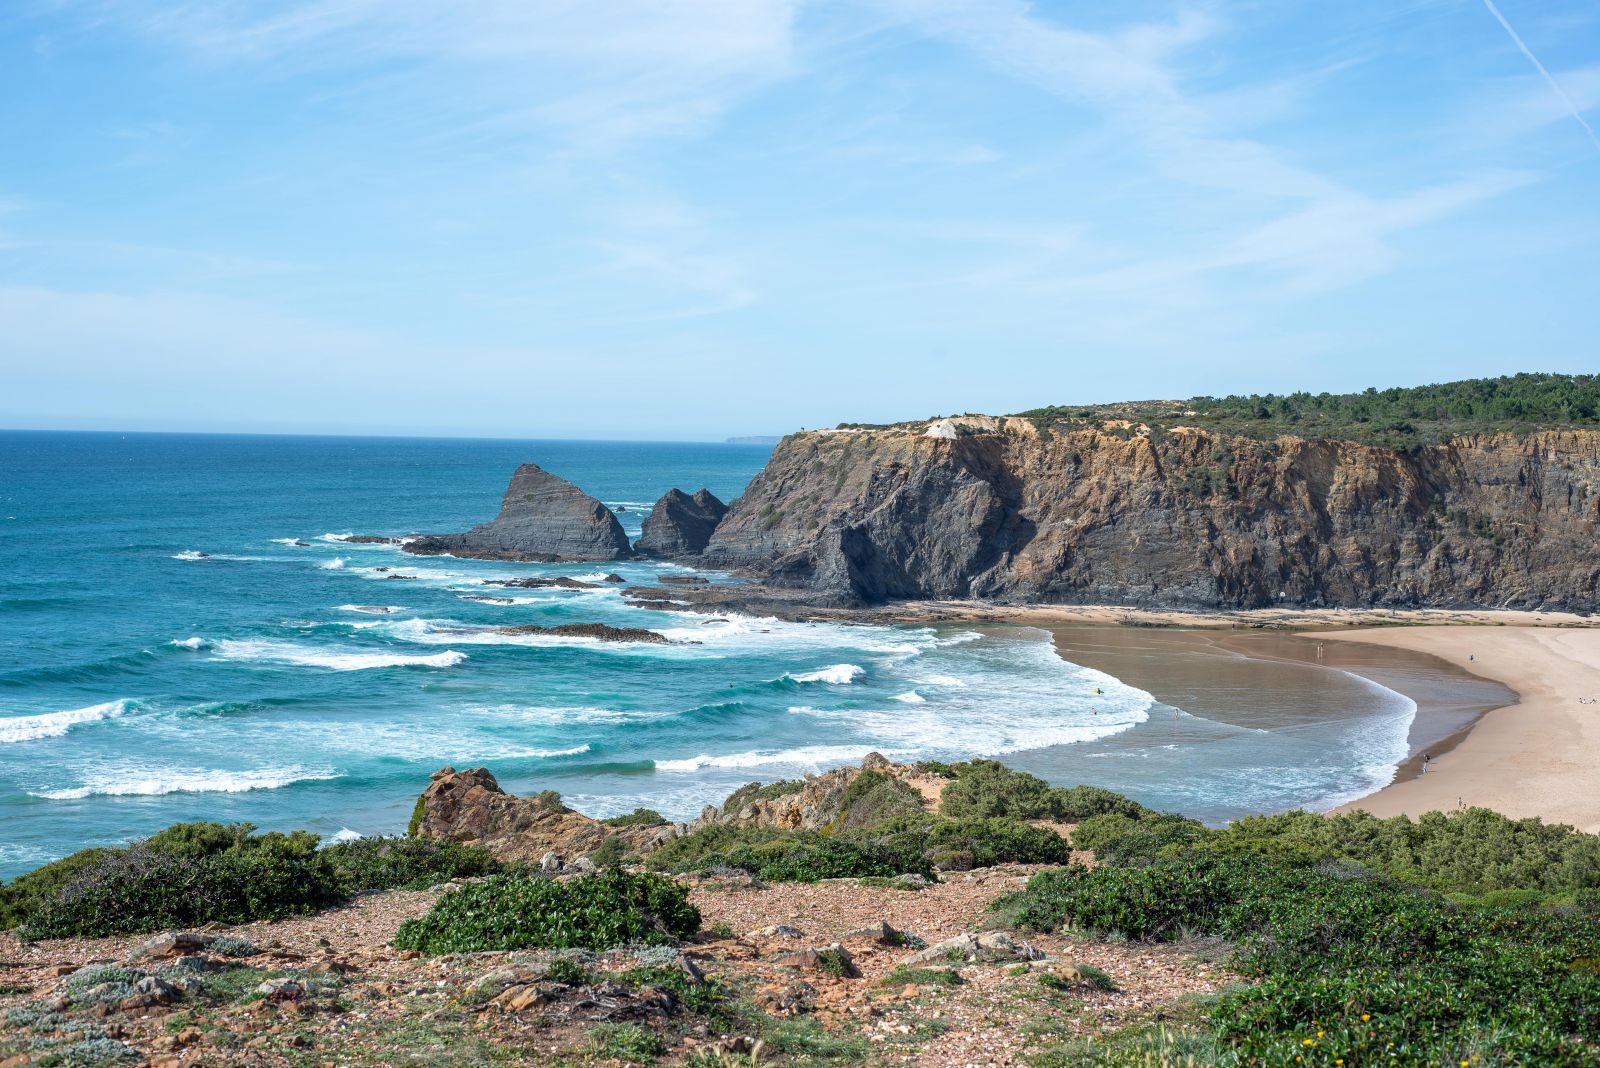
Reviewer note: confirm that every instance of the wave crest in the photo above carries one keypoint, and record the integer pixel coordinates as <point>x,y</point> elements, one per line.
<point>55,724</point>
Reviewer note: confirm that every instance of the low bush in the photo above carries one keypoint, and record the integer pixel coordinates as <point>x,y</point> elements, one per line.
<point>143,888</point>
<point>807,856</point>
<point>196,873</point>
<point>526,911</point>
<point>639,817</point>
<point>985,788</point>
<point>755,791</point>
<point>1122,840</point>
<point>873,798</point>
<point>406,863</point>
<point>909,976</point>
<point>1350,961</point>
<point>962,844</point>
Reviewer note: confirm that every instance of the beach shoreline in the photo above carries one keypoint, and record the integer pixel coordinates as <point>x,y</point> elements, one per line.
<point>1537,754</point>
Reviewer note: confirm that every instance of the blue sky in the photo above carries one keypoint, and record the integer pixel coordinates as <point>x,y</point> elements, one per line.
<point>697,218</point>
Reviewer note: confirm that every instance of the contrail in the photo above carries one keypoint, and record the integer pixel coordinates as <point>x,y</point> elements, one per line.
<point>1549,78</point>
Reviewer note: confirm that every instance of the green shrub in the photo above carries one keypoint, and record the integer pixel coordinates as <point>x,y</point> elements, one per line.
<point>611,852</point>
<point>873,798</point>
<point>808,856</point>
<point>242,878</point>
<point>688,852</point>
<point>625,1042</point>
<point>526,911</point>
<point>908,976</point>
<point>1121,840</point>
<point>755,791</point>
<point>1352,959</point>
<point>961,844</point>
<point>25,893</point>
<point>406,863</point>
<point>418,810</point>
<point>639,817</point>
<point>985,788</point>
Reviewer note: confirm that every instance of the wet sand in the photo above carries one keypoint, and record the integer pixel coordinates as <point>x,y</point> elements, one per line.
<point>1291,684</point>
<point>1539,757</point>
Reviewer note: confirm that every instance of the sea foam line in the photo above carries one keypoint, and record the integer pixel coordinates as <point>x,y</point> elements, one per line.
<point>289,653</point>
<point>228,782</point>
<point>55,724</point>
<point>837,675</point>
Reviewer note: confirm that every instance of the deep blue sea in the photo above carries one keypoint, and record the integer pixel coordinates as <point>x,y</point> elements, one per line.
<point>167,652</point>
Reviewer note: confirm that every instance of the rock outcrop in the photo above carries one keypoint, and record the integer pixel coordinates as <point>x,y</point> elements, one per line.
<point>977,507</point>
<point>544,519</point>
<point>680,525</point>
<point>469,806</point>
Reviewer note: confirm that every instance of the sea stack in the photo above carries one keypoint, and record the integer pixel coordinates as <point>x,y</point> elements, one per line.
<point>680,525</point>
<point>544,519</point>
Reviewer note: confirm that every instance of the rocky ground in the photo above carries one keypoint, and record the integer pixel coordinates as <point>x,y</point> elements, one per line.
<point>328,990</point>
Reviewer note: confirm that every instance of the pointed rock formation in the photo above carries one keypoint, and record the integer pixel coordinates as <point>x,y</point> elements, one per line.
<point>543,518</point>
<point>681,525</point>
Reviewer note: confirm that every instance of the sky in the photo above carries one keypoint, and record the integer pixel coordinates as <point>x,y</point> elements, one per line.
<point>689,219</point>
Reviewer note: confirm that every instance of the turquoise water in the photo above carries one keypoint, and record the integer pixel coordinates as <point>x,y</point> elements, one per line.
<point>143,683</point>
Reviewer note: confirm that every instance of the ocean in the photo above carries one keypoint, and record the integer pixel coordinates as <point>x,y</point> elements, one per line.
<point>185,635</point>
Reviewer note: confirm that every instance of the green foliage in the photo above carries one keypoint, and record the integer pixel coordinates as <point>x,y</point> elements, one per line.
<point>1088,975</point>
<point>1118,839</point>
<point>1394,418</point>
<point>25,893</point>
<point>909,976</point>
<point>1157,1045</point>
<point>807,856</point>
<point>693,851</point>
<point>639,817</point>
<point>1351,960</point>
<point>611,852</point>
<point>755,791</point>
<point>406,863</point>
<point>418,810</point>
<point>188,875</point>
<point>196,873</point>
<point>625,1042</point>
<point>526,911</point>
<point>963,844</point>
<point>873,798</point>
<point>985,788</point>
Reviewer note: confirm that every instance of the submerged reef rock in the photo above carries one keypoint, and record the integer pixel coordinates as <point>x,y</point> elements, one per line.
<point>680,525</point>
<point>543,518</point>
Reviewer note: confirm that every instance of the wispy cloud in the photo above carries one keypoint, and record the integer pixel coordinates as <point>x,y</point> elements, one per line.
<point>1555,86</point>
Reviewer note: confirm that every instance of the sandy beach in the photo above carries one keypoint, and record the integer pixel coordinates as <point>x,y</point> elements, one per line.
<point>1539,757</point>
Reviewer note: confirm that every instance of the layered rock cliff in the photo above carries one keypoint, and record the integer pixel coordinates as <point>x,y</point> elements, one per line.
<point>991,508</point>
<point>542,518</point>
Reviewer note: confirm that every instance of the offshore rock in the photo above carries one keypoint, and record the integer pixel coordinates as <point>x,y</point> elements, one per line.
<point>680,525</point>
<point>544,519</point>
<point>978,507</point>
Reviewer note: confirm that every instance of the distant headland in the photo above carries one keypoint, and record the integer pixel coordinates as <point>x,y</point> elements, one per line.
<point>1476,494</point>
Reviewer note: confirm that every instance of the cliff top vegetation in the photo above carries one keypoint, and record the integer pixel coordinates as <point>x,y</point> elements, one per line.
<point>1403,417</point>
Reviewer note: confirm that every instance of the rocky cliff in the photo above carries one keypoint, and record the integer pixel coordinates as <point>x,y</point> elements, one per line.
<point>680,525</point>
<point>991,508</point>
<point>542,518</point>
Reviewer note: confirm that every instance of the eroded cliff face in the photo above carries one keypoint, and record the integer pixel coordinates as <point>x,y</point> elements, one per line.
<point>996,509</point>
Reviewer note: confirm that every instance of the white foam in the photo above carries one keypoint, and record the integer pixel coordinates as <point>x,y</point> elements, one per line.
<point>837,675</point>
<point>911,697</point>
<point>189,643</point>
<point>191,554</point>
<point>812,756</point>
<point>189,782</point>
<point>288,541</point>
<point>336,564</point>
<point>941,680</point>
<point>345,834</point>
<point>336,537</point>
<point>55,724</point>
<point>341,660</point>
<point>372,609</point>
